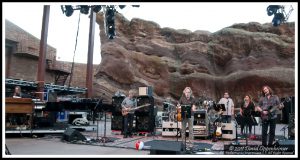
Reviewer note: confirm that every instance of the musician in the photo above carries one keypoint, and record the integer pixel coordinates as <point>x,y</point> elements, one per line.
<point>229,106</point>
<point>187,99</point>
<point>266,102</point>
<point>127,104</point>
<point>19,94</point>
<point>246,111</point>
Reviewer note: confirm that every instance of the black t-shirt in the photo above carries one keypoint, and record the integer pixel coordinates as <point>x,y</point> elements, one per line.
<point>184,101</point>
<point>248,110</point>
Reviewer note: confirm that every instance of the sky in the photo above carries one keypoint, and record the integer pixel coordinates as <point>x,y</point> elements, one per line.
<point>191,16</point>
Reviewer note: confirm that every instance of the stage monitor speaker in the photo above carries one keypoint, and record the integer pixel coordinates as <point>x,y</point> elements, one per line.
<point>162,147</point>
<point>117,122</point>
<point>147,110</point>
<point>289,145</point>
<point>116,102</point>
<point>73,135</point>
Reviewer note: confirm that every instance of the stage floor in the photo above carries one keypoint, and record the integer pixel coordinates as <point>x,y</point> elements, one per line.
<point>112,143</point>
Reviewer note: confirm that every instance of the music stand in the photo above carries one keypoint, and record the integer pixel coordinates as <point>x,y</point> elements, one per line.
<point>186,111</point>
<point>238,121</point>
<point>218,107</point>
<point>254,122</point>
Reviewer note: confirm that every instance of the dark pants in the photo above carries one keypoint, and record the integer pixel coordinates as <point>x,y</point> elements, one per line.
<point>226,118</point>
<point>246,121</point>
<point>265,125</point>
<point>128,122</point>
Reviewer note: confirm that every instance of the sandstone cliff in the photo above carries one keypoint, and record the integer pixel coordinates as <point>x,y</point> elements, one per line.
<point>238,59</point>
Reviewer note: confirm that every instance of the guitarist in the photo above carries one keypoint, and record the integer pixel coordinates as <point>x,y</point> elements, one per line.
<point>127,104</point>
<point>268,116</point>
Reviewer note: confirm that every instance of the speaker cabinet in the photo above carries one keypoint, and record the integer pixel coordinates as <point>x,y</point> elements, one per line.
<point>289,145</point>
<point>147,110</point>
<point>71,135</point>
<point>116,102</point>
<point>228,131</point>
<point>291,129</point>
<point>117,122</point>
<point>162,147</point>
<point>145,123</point>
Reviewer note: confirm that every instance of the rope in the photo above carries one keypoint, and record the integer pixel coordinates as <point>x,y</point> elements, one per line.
<point>72,68</point>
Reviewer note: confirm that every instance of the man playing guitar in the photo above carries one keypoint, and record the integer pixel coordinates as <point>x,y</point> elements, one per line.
<point>267,105</point>
<point>127,107</point>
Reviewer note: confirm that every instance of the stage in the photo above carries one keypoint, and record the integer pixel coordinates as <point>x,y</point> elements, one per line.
<point>115,144</point>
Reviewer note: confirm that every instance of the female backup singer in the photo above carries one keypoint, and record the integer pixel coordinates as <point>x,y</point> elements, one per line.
<point>246,110</point>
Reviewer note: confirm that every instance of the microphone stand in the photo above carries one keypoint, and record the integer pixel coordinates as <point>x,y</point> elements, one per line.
<point>177,129</point>
<point>184,130</point>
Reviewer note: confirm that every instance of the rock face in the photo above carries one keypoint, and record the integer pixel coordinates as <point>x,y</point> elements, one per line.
<point>239,59</point>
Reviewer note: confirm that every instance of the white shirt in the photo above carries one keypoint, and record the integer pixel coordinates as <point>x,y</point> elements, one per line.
<point>228,105</point>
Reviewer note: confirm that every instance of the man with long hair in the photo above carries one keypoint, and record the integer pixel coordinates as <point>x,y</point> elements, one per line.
<point>187,100</point>
<point>267,106</point>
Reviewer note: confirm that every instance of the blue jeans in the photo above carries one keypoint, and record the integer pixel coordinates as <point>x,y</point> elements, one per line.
<point>190,122</point>
<point>265,126</point>
<point>128,122</point>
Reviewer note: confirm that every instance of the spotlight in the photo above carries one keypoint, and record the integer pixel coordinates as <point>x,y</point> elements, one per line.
<point>110,22</point>
<point>84,9</point>
<point>278,19</point>
<point>122,6</point>
<point>111,32</point>
<point>135,5</point>
<point>67,9</point>
<point>272,9</point>
<point>97,8</point>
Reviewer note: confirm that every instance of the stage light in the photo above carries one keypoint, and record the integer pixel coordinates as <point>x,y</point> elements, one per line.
<point>280,16</point>
<point>122,6</point>
<point>111,32</point>
<point>68,10</point>
<point>110,22</point>
<point>84,9</point>
<point>272,9</point>
<point>97,9</point>
<point>278,19</point>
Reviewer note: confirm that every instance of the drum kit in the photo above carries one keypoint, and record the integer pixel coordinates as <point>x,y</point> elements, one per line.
<point>172,111</point>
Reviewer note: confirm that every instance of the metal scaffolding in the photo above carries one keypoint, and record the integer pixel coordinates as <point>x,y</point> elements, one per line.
<point>48,86</point>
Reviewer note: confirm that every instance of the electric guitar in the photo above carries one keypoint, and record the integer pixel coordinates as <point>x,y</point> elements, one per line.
<point>219,130</point>
<point>125,110</point>
<point>271,109</point>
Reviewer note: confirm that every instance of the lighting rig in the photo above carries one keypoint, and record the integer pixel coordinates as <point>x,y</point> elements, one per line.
<point>280,16</point>
<point>109,11</point>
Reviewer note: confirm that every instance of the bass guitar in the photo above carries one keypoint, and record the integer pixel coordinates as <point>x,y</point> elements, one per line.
<point>125,110</point>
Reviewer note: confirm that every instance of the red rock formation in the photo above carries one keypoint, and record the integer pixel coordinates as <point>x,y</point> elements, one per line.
<point>238,59</point>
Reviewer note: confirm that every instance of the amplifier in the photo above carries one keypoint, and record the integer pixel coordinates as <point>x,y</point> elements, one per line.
<point>228,131</point>
<point>170,128</point>
<point>146,91</point>
<point>200,131</point>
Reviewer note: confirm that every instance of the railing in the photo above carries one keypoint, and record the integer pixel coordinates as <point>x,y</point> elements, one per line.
<point>48,86</point>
